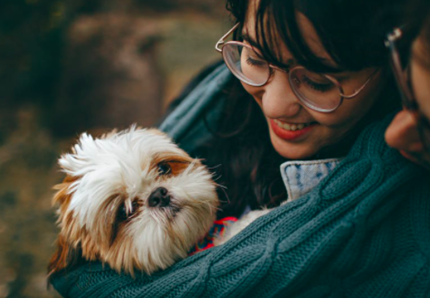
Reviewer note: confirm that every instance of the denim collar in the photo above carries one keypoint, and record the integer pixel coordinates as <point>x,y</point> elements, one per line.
<point>301,176</point>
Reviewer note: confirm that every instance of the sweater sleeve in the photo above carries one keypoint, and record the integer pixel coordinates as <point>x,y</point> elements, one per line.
<point>309,246</point>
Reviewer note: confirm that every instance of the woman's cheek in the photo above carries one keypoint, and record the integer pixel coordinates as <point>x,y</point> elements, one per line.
<point>255,92</point>
<point>421,87</point>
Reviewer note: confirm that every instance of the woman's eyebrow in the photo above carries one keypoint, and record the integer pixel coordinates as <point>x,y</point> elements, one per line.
<point>340,76</point>
<point>291,62</point>
<point>251,41</point>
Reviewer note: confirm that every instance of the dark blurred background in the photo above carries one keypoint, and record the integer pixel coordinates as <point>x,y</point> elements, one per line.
<point>68,66</point>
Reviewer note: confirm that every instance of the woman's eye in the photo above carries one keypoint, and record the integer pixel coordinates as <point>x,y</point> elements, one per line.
<point>255,62</point>
<point>164,168</point>
<point>321,87</point>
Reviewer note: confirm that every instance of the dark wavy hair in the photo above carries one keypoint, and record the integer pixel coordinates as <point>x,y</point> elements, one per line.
<point>352,33</point>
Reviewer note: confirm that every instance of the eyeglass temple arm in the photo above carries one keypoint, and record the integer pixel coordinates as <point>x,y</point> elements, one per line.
<point>407,97</point>
<point>391,38</point>
<point>361,88</point>
<point>221,41</point>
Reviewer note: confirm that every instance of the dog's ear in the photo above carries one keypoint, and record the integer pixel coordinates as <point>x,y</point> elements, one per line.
<point>63,195</point>
<point>65,255</point>
<point>81,157</point>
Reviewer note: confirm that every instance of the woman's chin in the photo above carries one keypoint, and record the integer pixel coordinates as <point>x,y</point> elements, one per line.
<point>293,150</point>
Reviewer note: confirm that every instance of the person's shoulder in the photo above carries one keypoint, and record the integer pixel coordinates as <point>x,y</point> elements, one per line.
<point>190,119</point>
<point>190,87</point>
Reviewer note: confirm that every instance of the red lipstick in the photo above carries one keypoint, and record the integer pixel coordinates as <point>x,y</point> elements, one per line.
<point>289,134</point>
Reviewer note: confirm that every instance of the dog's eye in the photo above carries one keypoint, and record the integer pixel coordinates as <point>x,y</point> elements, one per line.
<point>164,168</point>
<point>122,211</point>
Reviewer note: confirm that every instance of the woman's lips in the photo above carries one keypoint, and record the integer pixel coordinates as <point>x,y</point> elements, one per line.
<point>289,134</point>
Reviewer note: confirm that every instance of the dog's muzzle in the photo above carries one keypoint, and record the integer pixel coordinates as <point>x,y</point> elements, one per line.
<point>159,198</point>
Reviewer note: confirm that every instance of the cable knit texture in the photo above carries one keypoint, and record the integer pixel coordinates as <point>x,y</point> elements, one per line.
<point>364,231</point>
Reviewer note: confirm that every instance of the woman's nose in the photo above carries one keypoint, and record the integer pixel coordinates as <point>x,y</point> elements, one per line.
<point>402,133</point>
<point>279,99</point>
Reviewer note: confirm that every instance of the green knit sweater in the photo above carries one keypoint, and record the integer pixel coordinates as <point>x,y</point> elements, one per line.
<point>364,231</point>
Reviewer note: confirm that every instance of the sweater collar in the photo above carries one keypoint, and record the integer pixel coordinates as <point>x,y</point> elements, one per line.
<point>301,176</point>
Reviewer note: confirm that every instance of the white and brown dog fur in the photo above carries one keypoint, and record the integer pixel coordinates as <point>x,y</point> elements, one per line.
<point>135,201</point>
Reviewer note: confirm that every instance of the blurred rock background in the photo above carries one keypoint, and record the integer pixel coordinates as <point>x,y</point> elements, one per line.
<point>68,66</point>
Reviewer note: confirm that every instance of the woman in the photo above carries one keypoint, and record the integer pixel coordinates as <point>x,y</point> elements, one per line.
<point>410,130</point>
<point>314,86</point>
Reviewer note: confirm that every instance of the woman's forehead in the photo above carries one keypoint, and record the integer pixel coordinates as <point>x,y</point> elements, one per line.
<point>421,53</point>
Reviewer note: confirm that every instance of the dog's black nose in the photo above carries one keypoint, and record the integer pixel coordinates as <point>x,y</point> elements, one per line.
<point>159,198</point>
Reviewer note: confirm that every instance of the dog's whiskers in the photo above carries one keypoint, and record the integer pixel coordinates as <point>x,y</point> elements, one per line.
<point>128,206</point>
<point>214,167</point>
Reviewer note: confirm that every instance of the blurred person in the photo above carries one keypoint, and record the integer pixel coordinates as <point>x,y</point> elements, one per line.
<point>311,97</point>
<point>410,130</point>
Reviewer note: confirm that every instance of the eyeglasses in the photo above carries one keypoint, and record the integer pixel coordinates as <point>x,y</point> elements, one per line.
<point>402,75</point>
<point>319,92</point>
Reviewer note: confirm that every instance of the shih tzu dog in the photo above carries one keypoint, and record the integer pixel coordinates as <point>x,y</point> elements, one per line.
<point>133,200</point>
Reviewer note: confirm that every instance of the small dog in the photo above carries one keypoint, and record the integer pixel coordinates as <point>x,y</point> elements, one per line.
<point>131,199</point>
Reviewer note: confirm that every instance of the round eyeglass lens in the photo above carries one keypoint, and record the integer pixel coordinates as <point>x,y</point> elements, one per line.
<point>315,90</point>
<point>245,64</point>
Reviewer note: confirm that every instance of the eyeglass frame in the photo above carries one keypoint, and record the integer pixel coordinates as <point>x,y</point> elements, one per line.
<point>342,95</point>
<point>404,85</point>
